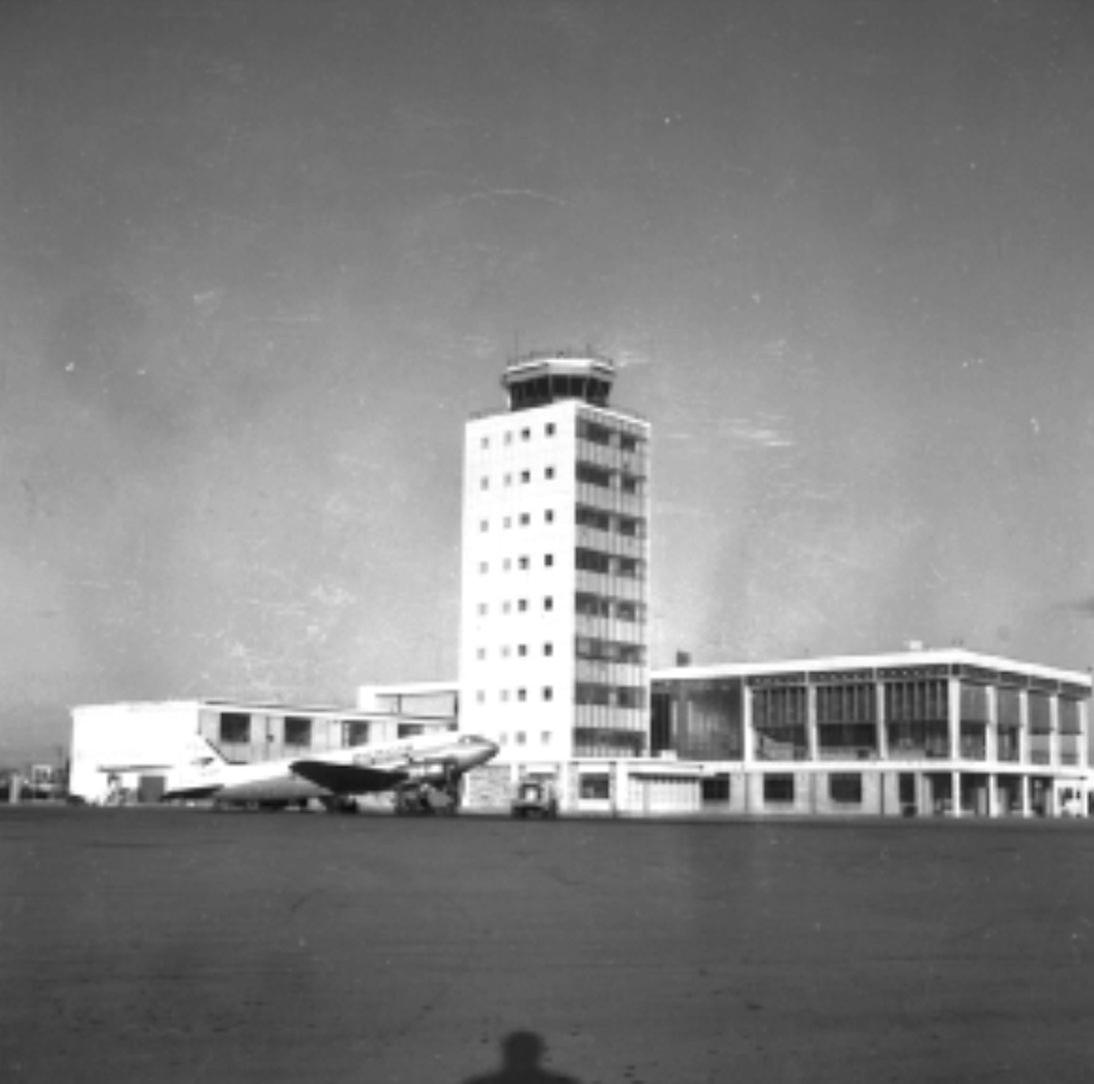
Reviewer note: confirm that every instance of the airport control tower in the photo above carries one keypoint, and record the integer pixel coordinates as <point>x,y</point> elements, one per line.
<point>554,646</point>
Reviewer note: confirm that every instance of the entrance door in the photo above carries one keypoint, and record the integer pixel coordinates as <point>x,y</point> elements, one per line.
<point>908,804</point>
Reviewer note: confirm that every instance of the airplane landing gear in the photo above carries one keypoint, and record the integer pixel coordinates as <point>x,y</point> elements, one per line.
<point>425,800</point>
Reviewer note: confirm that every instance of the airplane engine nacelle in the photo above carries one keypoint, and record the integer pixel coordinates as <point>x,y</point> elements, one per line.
<point>434,772</point>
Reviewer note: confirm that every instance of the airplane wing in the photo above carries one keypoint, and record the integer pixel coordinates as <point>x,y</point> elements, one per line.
<point>346,778</point>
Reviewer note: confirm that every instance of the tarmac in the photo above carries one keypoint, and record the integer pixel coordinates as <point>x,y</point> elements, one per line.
<point>178,945</point>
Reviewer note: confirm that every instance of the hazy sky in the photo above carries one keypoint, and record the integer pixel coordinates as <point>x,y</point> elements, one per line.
<point>260,259</point>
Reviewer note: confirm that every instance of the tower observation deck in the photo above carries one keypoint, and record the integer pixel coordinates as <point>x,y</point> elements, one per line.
<point>543,377</point>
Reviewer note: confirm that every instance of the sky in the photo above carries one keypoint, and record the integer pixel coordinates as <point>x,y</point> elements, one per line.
<point>261,259</point>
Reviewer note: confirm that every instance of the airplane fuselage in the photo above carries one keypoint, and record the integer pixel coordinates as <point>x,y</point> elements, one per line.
<point>432,760</point>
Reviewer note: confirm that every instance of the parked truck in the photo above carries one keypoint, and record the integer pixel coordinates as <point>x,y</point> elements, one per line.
<point>535,797</point>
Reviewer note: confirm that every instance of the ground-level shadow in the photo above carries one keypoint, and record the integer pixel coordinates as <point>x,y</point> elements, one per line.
<point>521,1063</point>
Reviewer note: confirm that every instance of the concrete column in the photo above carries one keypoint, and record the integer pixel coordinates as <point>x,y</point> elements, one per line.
<point>882,732</point>
<point>1054,731</point>
<point>993,795</point>
<point>748,742</point>
<point>1024,791</point>
<point>955,794</point>
<point>1023,734</point>
<point>812,752</point>
<point>953,712</point>
<point>991,728</point>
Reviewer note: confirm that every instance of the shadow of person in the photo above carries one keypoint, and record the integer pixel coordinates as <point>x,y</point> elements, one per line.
<point>521,1054</point>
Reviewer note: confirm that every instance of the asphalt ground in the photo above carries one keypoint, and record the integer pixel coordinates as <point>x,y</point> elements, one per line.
<point>183,945</point>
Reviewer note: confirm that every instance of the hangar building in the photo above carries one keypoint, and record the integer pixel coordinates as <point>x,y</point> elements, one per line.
<point>123,752</point>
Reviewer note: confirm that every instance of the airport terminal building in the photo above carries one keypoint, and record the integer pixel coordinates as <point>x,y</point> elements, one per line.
<point>555,667</point>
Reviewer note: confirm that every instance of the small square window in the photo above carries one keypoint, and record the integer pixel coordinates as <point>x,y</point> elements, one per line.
<point>549,515</point>
<point>523,562</point>
<point>549,472</point>
<point>548,603</point>
<point>550,429</point>
<point>548,560</point>
<point>525,434</point>
<point>520,737</point>
<point>525,477</point>
<point>548,693</point>
<point>522,650</point>
<point>522,604</point>
<point>525,519</point>
<point>522,695</point>
<point>484,525</point>
<point>297,731</point>
<point>548,649</point>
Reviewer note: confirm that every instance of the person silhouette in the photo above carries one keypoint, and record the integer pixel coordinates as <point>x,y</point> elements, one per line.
<point>522,1052</point>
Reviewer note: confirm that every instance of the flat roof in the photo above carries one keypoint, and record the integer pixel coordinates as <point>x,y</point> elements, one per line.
<point>909,658</point>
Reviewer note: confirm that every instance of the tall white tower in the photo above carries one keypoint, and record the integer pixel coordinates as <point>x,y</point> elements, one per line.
<point>554,645</point>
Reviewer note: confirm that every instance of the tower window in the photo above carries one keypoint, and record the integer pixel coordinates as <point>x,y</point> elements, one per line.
<point>524,519</point>
<point>549,515</point>
<point>548,560</point>
<point>522,604</point>
<point>522,695</point>
<point>525,477</point>
<point>549,472</point>
<point>548,603</point>
<point>548,693</point>
<point>548,648</point>
<point>522,650</point>
<point>523,563</point>
<point>525,434</point>
<point>549,429</point>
